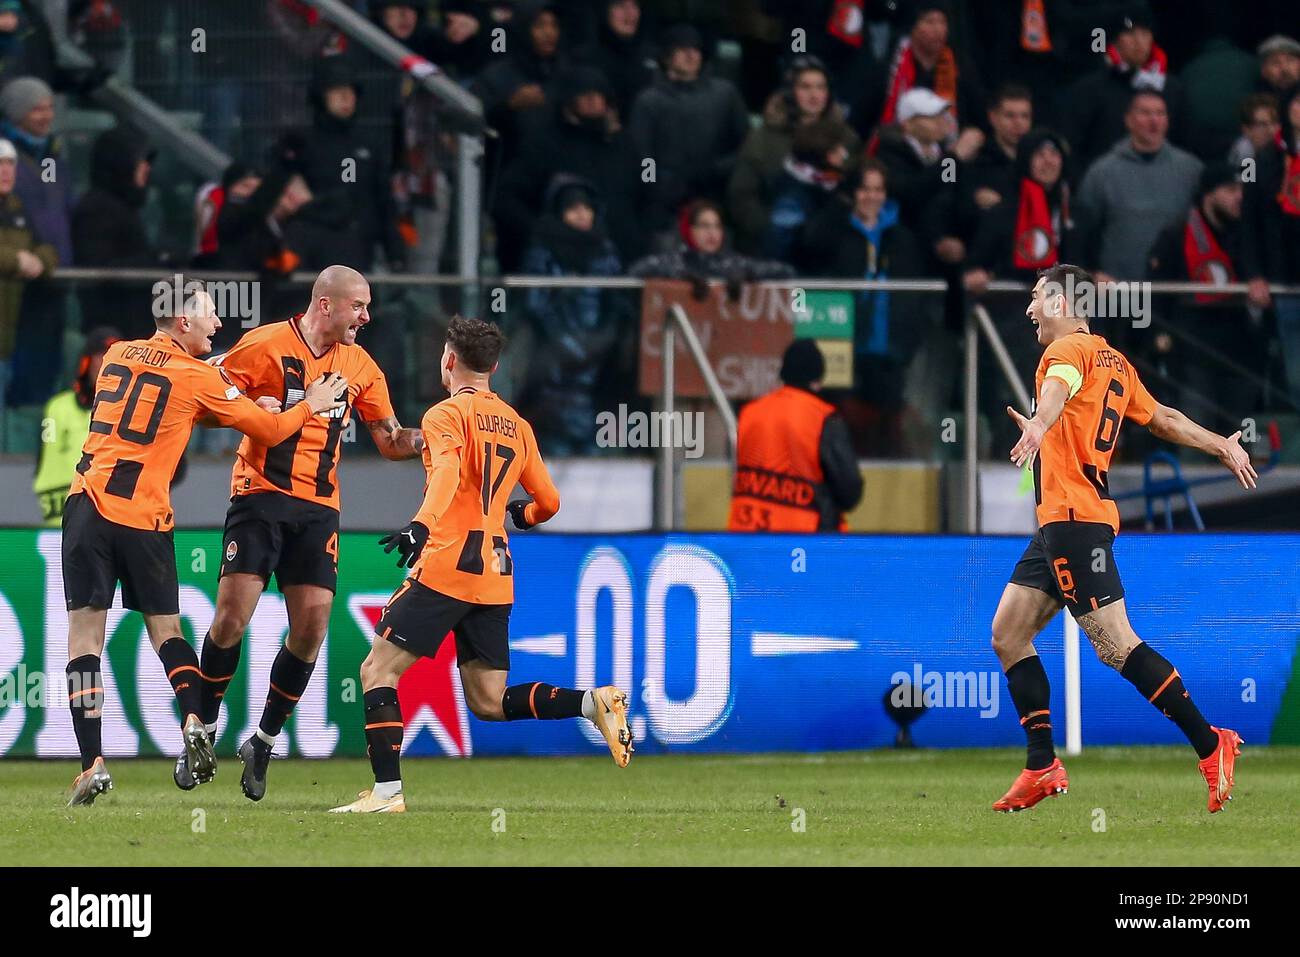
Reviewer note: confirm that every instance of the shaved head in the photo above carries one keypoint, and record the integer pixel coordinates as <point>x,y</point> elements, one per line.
<point>340,301</point>
<point>336,282</point>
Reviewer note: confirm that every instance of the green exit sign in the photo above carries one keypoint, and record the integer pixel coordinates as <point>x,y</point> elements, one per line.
<point>826,315</point>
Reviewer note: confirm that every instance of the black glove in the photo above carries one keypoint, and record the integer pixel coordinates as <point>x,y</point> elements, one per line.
<point>735,286</point>
<point>699,286</point>
<point>409,542</point>
<point>516,510</point>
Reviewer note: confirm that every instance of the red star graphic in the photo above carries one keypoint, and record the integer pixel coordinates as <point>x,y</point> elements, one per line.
<point>430,692</point>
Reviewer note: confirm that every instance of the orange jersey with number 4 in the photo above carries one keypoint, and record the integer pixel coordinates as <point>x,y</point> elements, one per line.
<point>149,394</point>
<point>476,449</point>
<point>1070,471</point>
<point>274,360</point>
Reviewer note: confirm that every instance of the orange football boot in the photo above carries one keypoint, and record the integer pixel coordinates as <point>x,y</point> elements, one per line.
<point>1032,786</point>
<point>1218,767</point>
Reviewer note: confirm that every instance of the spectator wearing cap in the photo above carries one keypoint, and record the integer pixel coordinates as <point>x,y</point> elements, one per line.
<point>462,42</point>
<point>108,231</point>
<point>1214,83</point>
<point>691,124</point>
<point>576,331</point>
<point>855,40</point>
<point>803,99</point>
<point>795,466</point>
<point>1142,185</point>
<point>580,137</point>
<point>359,209</point>
<point>1270,249</point>
<point>1205,247</point>
<point>23,258</point>
<point>923,59</point>
<point>1097,105</point>
<point>702,254</point>
<point>27,118</point>
<point>859,236</point>
<point>913,152</point>
<point>623,51</point>
<point>807,183</point>
<point>65,426</point>
<point>1259,128</point>
<point>1279,66</point>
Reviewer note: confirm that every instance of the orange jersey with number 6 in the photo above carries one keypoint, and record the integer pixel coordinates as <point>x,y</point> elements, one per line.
<point>476,449</point>
<point>149,394</point>
<point>1070,471</point>
<point>274,360</point>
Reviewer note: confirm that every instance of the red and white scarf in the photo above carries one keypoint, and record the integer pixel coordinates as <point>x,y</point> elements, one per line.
<point>1151,76</point>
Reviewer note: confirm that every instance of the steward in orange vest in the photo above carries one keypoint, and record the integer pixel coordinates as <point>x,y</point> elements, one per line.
<point>795,467</point>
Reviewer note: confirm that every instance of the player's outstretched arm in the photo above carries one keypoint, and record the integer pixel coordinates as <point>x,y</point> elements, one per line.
<point>1051,402</point>
<point>1173,426</point>
<point>395,442</point>
<point>537,482</point>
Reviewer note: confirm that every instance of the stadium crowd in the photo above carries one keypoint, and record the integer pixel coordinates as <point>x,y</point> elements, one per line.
<point>857,139</point>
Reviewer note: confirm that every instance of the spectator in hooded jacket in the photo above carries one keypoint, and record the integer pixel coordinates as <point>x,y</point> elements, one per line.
<point>580,137</point>
<point>702,255</point>
<point>23,258</point>
<point>576,331</point>
<point>26,119</point>
<point>516,89</point>
<point>691,124</point>
<point>804,98</point>
<point>358,209</point>
<point>623,51</point>
<point>108,231</point>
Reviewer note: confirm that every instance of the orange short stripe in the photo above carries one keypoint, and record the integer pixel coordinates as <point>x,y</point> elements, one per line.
<point>283,694</point>
<point>173,673</point>
<point>1161,690</point>
<point>78,694</point>
<point>532,695</point>
<point>219,678</point>
<point>1033,714</point>
<point>384,724</point>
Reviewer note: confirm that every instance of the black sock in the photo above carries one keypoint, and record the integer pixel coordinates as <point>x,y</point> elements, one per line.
<point>218,666</point>
<point>86,700</point>
<point>1031,694</point>
<point>542,701</point>
<point>1148,671</point>
<point>289,677</point>
<point>182,667</point>
<point>384,734</point>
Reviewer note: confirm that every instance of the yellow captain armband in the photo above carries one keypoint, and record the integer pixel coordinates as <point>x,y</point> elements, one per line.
<point>1068,374</point>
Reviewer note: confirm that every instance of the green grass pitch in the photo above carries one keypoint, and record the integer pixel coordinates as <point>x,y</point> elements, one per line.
<point>921,807</point>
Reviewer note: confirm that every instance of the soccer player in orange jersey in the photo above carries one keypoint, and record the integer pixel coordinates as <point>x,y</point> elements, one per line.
<point>117,525</point>
<point>1085,389</point>
<point>476,449</point>
<point>284,508</point>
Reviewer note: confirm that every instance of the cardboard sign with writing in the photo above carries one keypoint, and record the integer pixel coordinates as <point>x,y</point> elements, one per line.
<point>743,340</point>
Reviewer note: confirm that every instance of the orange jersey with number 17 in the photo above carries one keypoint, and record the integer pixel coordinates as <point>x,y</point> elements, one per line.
<point>1070,471</point>
<point>477,448</point>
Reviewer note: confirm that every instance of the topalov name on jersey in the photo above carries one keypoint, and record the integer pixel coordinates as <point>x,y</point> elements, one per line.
<point>651,430</point>
<point>75,910</point>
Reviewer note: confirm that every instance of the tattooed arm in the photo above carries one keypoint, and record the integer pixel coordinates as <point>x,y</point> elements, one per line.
<point>395,442</point>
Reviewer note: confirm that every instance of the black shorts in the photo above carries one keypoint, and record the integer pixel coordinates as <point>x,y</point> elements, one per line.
<point>417,618</point>
<point>97,554</point>
<point>273,533</point>
<point>1074,563</point>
